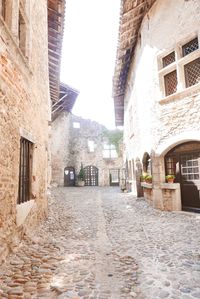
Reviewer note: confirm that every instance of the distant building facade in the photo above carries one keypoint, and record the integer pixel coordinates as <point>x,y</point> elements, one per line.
<point>157,99</point>
<point>25,114</point>
<point>77,141</point>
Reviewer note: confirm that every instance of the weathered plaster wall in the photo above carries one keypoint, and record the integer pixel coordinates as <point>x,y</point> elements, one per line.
<point>70,148</point>
<point>24,111</point>
<point>167,24</point>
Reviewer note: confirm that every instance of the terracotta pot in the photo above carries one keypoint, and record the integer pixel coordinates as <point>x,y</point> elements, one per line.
<point>170,181</point>
<point>81,183</point>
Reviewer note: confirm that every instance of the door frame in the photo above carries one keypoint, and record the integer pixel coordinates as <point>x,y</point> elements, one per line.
<point>110,177</point>
<point>88,182</point>
<point>67,181</point>
<point>178,174</point>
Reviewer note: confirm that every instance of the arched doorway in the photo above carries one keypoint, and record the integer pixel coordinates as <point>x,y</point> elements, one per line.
<point>138,164</point>
<point>184,162</point>
<point>146,162</point>
<point>91,175</point>
<point>69,176</point>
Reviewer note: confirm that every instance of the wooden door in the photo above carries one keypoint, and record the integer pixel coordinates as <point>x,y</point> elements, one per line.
<point>190,180</point>
<point>114,177</point>
<point>91,176</point>
<point>69,177</point>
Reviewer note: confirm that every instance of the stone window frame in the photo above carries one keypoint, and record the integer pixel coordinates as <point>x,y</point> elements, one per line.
<point>91,146</point>
<point>15,10</point>
<point>178,66</point>
<point>76,125</point>
<point>109,149</point>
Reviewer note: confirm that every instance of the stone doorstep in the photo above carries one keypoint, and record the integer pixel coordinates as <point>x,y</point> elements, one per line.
<point>190,214</point>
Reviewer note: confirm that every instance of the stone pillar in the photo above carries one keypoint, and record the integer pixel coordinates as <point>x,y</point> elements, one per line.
<point>158,179</point>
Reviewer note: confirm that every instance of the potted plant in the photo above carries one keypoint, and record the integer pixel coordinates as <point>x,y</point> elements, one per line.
<point>148,179</point>
<point>81,177</point>
<point>170,178</point>
<point>143,177</point>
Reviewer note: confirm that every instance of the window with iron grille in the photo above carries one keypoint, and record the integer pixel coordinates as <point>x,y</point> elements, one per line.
<point>170,83</point>
<point>192,72</point>
<point>167,60</point>
<point>26,148</point>
<point>170,165</point>
<point>190,47</point>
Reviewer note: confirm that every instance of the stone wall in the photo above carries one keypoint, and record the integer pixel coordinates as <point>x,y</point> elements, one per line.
<point>24,111</point>
<point>157,118</point>
<point>70,148</point>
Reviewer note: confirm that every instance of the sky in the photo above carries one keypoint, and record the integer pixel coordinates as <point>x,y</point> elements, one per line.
<point>88,56</point>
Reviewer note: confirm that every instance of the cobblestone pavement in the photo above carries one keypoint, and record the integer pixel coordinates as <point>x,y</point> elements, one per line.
<point>98,243</point>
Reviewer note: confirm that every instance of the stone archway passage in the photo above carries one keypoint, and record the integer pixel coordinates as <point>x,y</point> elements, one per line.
<point>91,175</point>
<point>69,177</point>
<point>184,162</point>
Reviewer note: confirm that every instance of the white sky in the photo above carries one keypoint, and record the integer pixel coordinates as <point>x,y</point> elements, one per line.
<point>88,57</point>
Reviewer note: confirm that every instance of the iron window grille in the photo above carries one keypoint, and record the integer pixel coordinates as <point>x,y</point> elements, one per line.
<point>170,165</point>
<point>26,148</point>
<point>170,83</point>
<point>167,60</point>
<point>190,47</point>
<point>192,72</point>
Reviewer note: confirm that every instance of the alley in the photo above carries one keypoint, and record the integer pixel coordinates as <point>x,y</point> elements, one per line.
<point>103,244</point>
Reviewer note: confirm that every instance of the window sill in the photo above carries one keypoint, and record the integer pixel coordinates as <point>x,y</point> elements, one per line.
<point>190,91</point>
<point>147,185</point>
<point>23,210</point>
<point>170,186</point>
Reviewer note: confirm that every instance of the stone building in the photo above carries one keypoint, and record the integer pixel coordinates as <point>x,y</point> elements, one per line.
<point>77,141</point>
<point>25,111</point>
<point>157,98</point>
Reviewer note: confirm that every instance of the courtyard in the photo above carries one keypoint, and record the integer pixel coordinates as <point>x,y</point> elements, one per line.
<point>99,243</point>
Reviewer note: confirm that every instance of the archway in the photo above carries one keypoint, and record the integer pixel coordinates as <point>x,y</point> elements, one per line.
<point>183,161</point>
<point>69,176</point>
<point>91,176</point>
<point>138,164</point>
<point>146,162</point>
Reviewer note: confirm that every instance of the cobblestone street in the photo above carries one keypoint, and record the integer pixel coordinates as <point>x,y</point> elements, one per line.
<point>103,244</point>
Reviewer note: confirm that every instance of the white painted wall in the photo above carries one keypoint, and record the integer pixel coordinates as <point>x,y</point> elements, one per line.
<point>155,119</point>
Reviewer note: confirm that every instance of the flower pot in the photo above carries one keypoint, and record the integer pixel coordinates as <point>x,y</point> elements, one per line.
<point>170,181</point>
<point>148,181</point>
<point>81,183</point>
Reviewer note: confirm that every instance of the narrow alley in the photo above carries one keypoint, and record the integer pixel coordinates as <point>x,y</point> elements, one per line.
<point>103,244</point>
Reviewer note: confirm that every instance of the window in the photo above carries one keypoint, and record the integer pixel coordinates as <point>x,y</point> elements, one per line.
<point>109,151</point>
<point>76,125</point>
<point>167,60</point>
<point>180,68</point>
<point>91,146</point>
<point>170,83</point>
<point>26,148</point>
<point>192,73</point>
<point>170,165</point>
<point>190,47</point>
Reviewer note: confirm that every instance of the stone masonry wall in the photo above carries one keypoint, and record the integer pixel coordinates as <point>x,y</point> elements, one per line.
<point>70,148</point>
<point>155,119</point>
<point>24,111</point>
